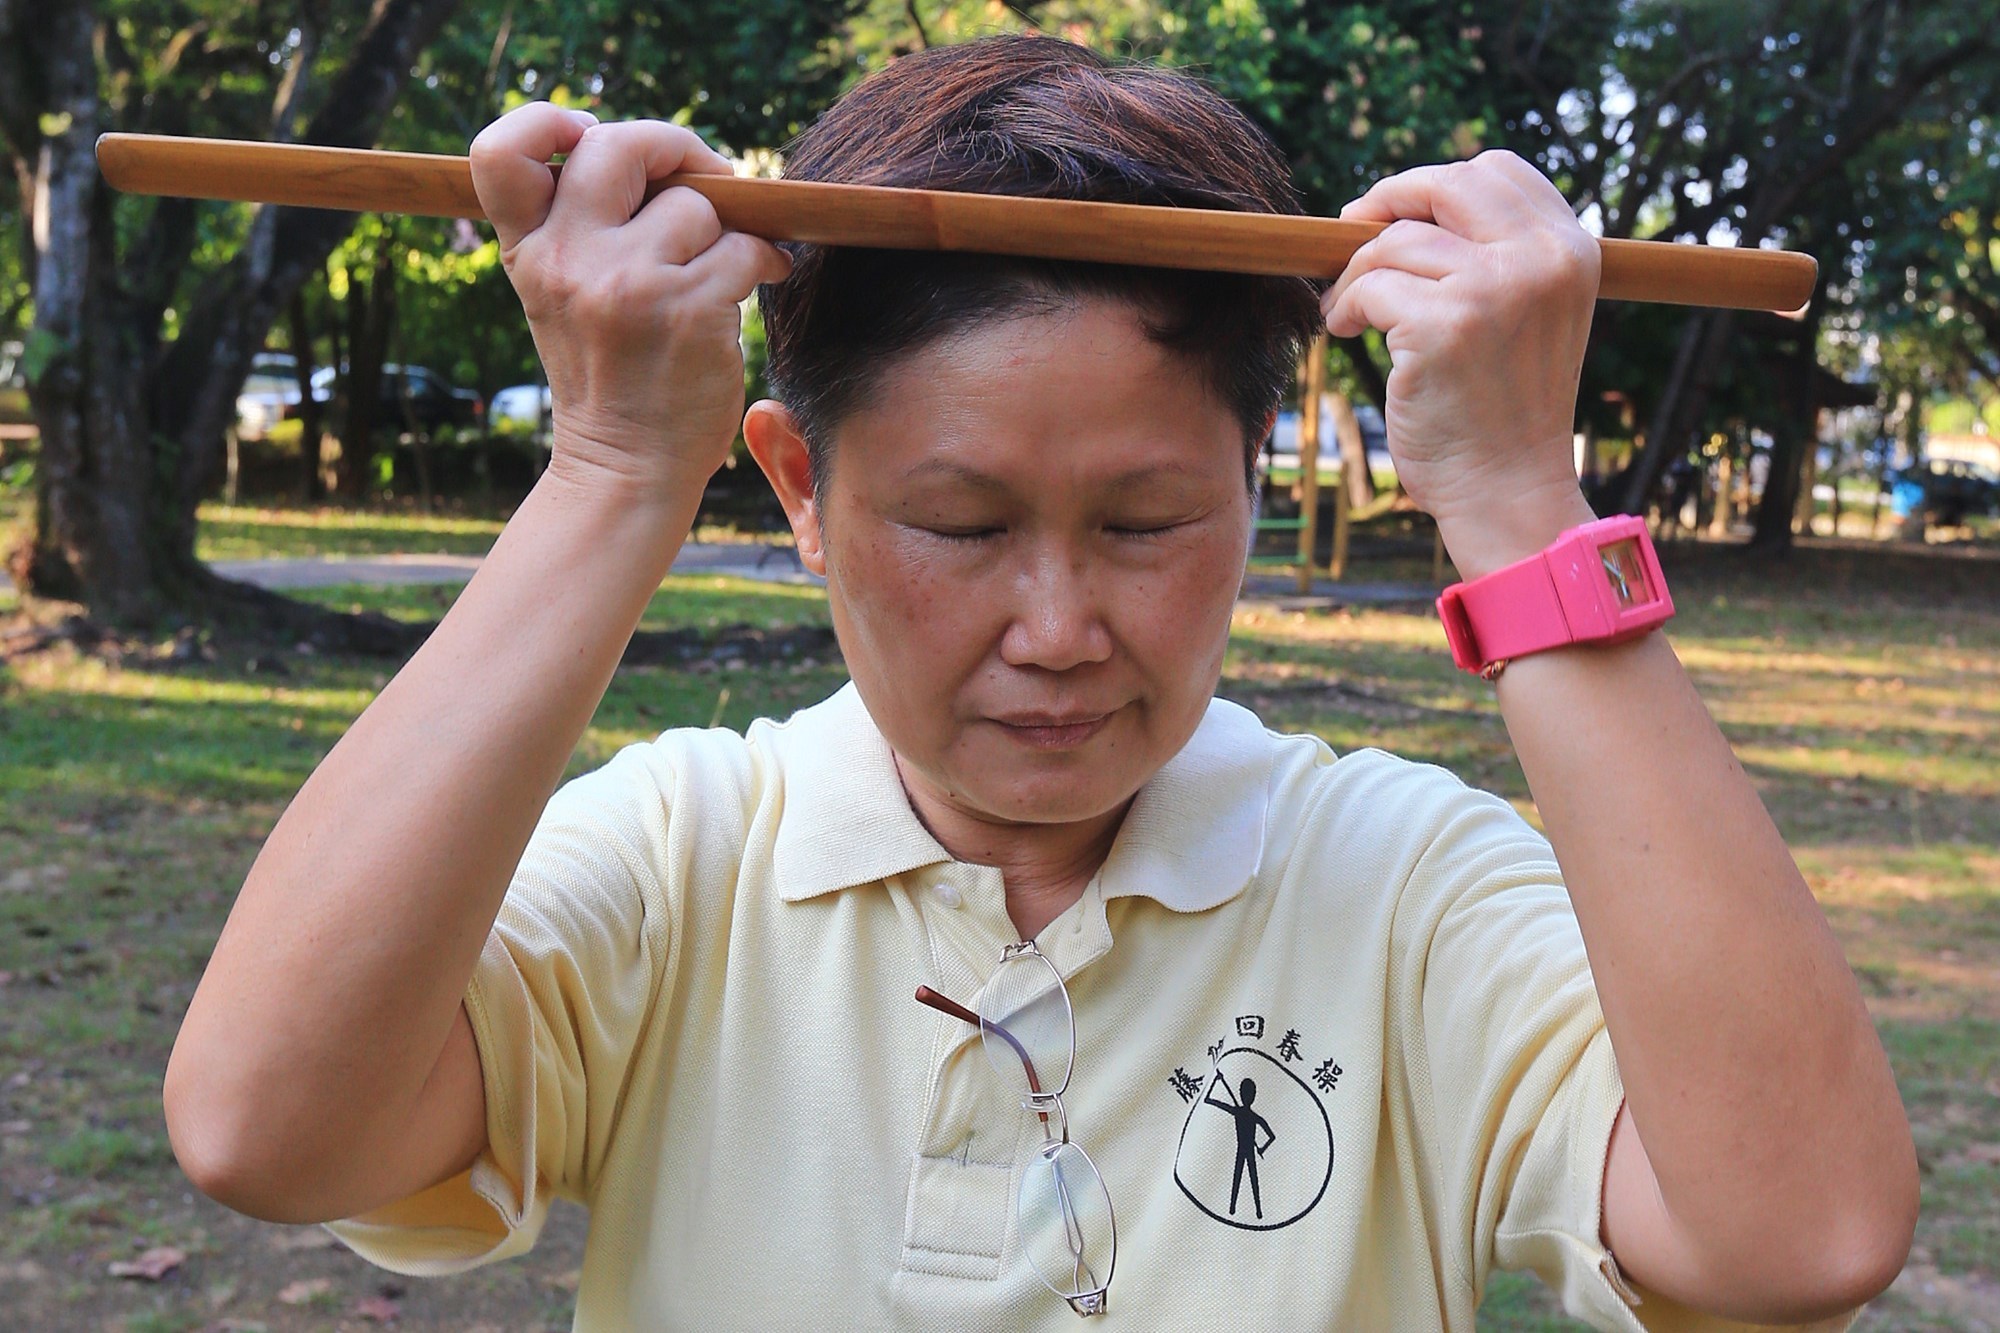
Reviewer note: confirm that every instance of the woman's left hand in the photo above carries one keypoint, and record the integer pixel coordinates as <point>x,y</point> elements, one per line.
<point>1483,284</point>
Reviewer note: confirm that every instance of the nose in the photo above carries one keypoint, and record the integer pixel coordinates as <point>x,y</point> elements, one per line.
<point>1057,621</point>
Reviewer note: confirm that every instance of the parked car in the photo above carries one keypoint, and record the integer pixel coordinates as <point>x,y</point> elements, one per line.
<point>1945,491</point>
<point>521,409</point>
<point>12,374</point>
<point>1283,447</point>
<point>432,401</point>
<point>269,395</point>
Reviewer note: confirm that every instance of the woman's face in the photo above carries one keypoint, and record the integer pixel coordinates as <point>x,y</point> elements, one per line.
<point>1032,538</point>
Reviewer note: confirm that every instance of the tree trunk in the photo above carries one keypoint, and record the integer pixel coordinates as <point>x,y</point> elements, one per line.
<point>371,305</point>
<point>1805,506</point>
<point>132,433</point>
<point>1795,435</point>
<point>1723,518</point>
<point>91,540</point>
<point>1670,432</point>
<point>1360,484</point>
<point>1309,421</point>
<point>311,419</point>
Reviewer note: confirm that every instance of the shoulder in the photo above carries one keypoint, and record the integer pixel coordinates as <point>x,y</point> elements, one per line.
<point>1369,836</point>
<point>688,799</point>
<point>1393,811</point>
<point>676,772</point>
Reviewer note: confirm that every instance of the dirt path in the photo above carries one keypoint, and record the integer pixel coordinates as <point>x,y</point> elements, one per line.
<point>767,564</point>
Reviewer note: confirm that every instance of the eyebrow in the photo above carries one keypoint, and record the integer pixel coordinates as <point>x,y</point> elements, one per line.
<point>947,470</point>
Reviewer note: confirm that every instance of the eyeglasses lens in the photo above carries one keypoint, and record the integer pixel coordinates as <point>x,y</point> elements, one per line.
<point>1065,1217</point>
<point>1024,1019</point>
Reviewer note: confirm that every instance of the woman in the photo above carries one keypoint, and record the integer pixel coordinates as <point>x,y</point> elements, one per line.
<point>680,990</point>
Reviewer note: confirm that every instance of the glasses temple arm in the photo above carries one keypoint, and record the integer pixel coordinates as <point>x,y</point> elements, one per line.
<point>927,996</point>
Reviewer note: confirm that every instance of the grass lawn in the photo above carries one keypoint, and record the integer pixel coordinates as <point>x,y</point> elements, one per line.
<point>244,532</point>
<point>132,801</point>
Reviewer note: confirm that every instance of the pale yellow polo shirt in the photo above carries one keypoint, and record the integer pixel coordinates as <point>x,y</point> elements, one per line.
<point>695,1016</point>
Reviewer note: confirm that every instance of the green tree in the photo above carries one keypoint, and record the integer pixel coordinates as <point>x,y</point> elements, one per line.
<point>1350,93</point>
<point>1747,122</point>
<point>147,312</point>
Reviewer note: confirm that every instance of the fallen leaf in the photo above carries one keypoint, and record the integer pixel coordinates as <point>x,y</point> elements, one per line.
<point>305,1289</point>
<point>378,1309</point>
<point>1986,1154</point>
<point>27,1270</point>
<point>565,1281</point>
<point>153,1265</point>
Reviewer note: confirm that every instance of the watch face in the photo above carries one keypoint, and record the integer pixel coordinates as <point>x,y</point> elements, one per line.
<point>1626,572</point>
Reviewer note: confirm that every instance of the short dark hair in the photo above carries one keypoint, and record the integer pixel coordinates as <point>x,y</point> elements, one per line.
<point>1037,116</point>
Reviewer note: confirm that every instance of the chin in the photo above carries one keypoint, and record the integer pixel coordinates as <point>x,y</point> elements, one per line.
<point>1054,798</point>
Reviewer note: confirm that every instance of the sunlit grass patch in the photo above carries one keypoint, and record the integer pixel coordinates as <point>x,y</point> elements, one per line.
<point>699,602</point>
<point>244,532</point>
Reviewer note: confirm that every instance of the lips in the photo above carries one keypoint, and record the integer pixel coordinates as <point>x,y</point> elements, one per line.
<point>1053,731</point>
<point>1051,719</point>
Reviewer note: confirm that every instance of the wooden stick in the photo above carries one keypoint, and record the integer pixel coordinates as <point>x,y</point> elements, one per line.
<point>430,185</point>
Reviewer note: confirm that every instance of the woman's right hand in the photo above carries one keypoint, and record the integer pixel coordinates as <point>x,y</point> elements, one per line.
<point>634,305</point>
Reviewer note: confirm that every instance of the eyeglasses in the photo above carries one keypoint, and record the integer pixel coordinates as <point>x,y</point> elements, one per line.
<point>1064,1212</point>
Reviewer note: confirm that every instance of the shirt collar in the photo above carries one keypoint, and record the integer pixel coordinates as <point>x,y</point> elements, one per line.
<point>1193,839</point>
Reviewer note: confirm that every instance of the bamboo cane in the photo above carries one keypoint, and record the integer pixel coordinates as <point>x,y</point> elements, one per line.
<point>432,185</point>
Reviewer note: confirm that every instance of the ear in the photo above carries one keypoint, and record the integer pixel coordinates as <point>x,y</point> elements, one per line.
<point>780,449</point>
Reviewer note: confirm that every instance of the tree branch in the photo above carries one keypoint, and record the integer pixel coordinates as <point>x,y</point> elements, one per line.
<point>196,389</point>
<point>21,88</point>
<point>917,22</point>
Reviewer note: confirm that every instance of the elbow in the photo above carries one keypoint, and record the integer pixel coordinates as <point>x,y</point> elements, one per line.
<point>1868,1252</point>
<point>1871,1246</point>
<point>1853,1268</point>
<point>216,1142</point>
<point>1851,1253</point>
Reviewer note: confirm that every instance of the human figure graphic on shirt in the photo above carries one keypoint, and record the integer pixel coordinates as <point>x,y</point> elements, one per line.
<point>1248,1150</point>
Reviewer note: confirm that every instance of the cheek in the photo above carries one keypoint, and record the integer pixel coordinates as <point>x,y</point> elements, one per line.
<point>1181,606</point>
<point>908,613</point>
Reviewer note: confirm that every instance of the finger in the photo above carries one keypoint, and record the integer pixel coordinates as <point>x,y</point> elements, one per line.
<point>510,165</point>
<point>1540,192</point>
<point>1422,248</point>
<point>605,177</point>
<point>1382,299</point>
<point>1475,202</point>
<point>733,267</point>
<point>676,225</point>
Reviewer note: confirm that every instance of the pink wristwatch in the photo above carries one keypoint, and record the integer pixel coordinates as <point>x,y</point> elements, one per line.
<point>1598,583</point>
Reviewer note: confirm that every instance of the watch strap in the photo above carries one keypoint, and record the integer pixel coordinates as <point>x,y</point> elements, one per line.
<point>1509,613</point>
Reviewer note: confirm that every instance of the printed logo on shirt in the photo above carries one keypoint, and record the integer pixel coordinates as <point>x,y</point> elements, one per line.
<point>1256,1148</point>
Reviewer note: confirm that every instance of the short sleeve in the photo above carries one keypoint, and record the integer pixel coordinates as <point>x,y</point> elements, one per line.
<point>1520,1087</point>
<point>558,1000</point>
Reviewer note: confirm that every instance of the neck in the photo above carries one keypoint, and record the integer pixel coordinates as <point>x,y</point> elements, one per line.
<point>1045,866</point>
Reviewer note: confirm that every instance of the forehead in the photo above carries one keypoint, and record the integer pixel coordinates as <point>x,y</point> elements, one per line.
<point>1081,392</point>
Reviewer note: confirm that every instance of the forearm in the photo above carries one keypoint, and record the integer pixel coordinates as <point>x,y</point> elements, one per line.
<point>1752,1070</point>
<point>340,971</point>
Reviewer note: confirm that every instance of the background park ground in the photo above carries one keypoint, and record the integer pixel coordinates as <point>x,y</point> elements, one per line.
<point>138,779</point>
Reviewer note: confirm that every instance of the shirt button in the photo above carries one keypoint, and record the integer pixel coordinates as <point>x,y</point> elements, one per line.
<point>948,896</point>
